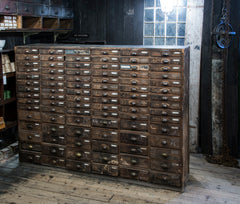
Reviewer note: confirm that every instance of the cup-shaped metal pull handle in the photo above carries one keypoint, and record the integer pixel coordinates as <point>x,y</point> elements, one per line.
<point>134,53</point>
<point>165,69</point>
<point>133,139</point>
<point>78,132</point>
<point>164,142</point>
<point>134,67</point>
<point>133,174</point>
<point>134,110</point>
<point>51,58</point>
<point>165,61</point>
<point>133,117</point>
<point>134,161</point>
<point>164,166</point>
<point>164,130</point>
<point>104,59</point>
<point>54,130</point>
<point>134,61</point>
<point>105,158</point>
<point>53,151</point>
<point>79,144</point>
<point>134,75</point>
<point>78,154</point>
<point>105,53</point>
<point>29,137</point>
<point>165,54</point>
<point>164,120</point>
<point>133,103</point>
<point>134,96</point>
<point>165,155</point>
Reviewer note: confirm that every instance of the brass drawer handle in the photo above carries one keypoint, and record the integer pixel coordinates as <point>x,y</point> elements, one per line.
<point>105,135</point>
<point>30,126</point>
<point>164,130</point>
<point>164,166</point>
<point>105,94</point>
<point>104,100</point>
<point>77,79</point>
<point>54,130</point>
<point>77,59</point>
<point>52,97</point>
<point>51,58</point>
<point>134,75</point>
<point>134,89</point>
<point>133,150</point>
<point>52,84</point>
<point>51,52</point>
<point>165,76</point>
<point>164,142</point>
<point>78,112</point>
<point>53,91</point>
<point>78,93</point>
<point>133,139</point>
<point>52,65</point>
<point>165,155</point>
<point>78,106</point>
<point>105,108</point>
<point>29,116</point>
<point>105,114</point>
<point>78,154</point>
<point>28,89</point>
<point>105,122</point>
<point>52,103</point>
<point>133,127</point>
<point>78,121</point>
<point>104,87</point>
<point>79,144</point>
<point>29,108</point>
<point>30,157</point>
<point>27,58</point>
<point>52,72</point>
<point>105,74</point>
<point>77,65</point>
<point>165,91</point>
<point>28,77</point>
<point>54,140</point>
<point>104,147</point>
<point>29,96</point>
<point>30,146</point>
<point>105,159</point>
<point>77,86</point>
<point>52,78</point>
<point>28,83</point>
<point>164,105</point>
<point>164,113</point>
<point>164,98</point>
<point>165,83</point>
<point>164,178</point>
<point>53,110</point>
<point>77,73</point>
<point>77,99</point>
<point>104,81</point>
<point>78,166</point>
<point>165,54</point>
<point>134,82</point>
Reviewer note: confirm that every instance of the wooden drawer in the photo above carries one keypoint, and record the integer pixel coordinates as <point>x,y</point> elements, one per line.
<point>134,110</point>
<point>53,118</point>
<point>105,86</point>
<point>165,142</point>
<point>78,72</point>
<point>53,150</point>
<point>164,76</point>
<point>126,74</point>
<point>166,83</point>
<point>105,66</point>
<point>32,157</point>
<point>105,59</point>
<point>101,73</point>
<point>78,99</point>
<point>52,58</point>
<point>78,66</point>
<point>47,91</point>
<point>80,85</point>
<point>78,166</point>
<point>29,115</point>
<point>105,114</point>
<point>137,89</point>
<point>52,77</point>
<point>29,107</point>
<point>140,96</point>
<point>30,146</point>
<point>78,155</point>
<point>28,95</point>
<point>141,175</point>
<point>108,147</point>
<point>53,84</point>
<point>137,60</point>
<point>133,116</point>
<point>80,143</point>
<point>165,97</point>
<point>134,138</point>
<point>111,94</point>
<point>104,169</point>
<point>28,83</point>
<point>29,136</point>
<point>77,111</point>
<point>27,76</point>
<point>49,66</point>
<point>77,120</point>
<point>133,161</point>
<point>133,82</point>
<point>104,81</point>
<point>53,97</point>
<point>166,53</point>
<point>53,129</point>
<point>53,103</point>
<point>166,166</point>
<point>77,51</point>
<point>165,179</point>
<point>170,60</point>
<point>105,101</point>
<point>53,71</point>
<point>105,158</point>
<point>166,105</point>
<point>28,125</point>
<point>135,52</point>
<point>80,132</point>
<point>105,51</point>
<point>165,154</point>
<point>28,101</point>
<point>70,58</point>
<point>53,161</point>
<point>164,112</point>
<point>79,92</point>
<point>28,57</point>
<point>129,67</point>
<point>106,123</point>
<point>27,51</point>
<point>104,107</point>
<point>53,139</point>
<point>79,105</point>
<point>131,102</point>
<point>164,119</point>
<point>172,90</point>
<point>165,68</point>
<point>51,51</point>
<point>28,66</point>
<point>174,129</point>
<point>105,135</point>
<point>133,149</point>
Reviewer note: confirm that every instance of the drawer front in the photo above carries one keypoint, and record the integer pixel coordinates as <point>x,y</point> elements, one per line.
<point>134,110</point>
<point>165,68</point>
<point>77,111</point>
<point>53,84</point>
<point>53,150</point>
<point>106,123</point>
<point>167,53</point>
<point>29,83</point>
<point>78,166</point>
<point>53,103</point>
<point>176,91</point>
<point>29,115</point>
<point>105,66</point>
<point>51,51</point>
<point>127,74</point>
<point>79,92</point>
<point>52,77</point>
<point>140,96</point>
<point>133,125</point>
<point>78,155</point>
<point>165,154</point>
<point>8,7</point>
<point>78,132</point>
<point>83,144</point>
<point>60,140</point>
<point>140,60</point>
<point>173,130</point>
<point>77,120</point>
<point>49,66</point>
<point>105,52</point>
<point>26,101</point>
<point>104,169</point>
<point>105,158</point>
<point>162,75</point>
<point>166,166</point>
<point>133,117</point>
<point>53,97</point>
<point>52,58</point>
<point>30,136</point>
<point>134,81</point>
<point>77,52</point>
<point>165,97</point>
<point>165,120</point>
<point>78,72</point>
<point>28,95</point>
<point>105,86</point>
<point>78,66</point>
<point>53,118</point>
<point>27,57</point>
<point>32,157</point>
<point>27,51</point>
<point>33,126</point>
<point>30,146</point>
<point>134,174</point>
<point>130,67</point>
<point>27,76</point>
<point>135,52</point>
<point>101,73</point>
<point>134,138</point>
<point>79,81</point>
<point>111,94</point>
<point>78,58</point>
<point>133,149</point>
<point>105,59</point>
<point>135,103</point>
<point>78,99</point>
<point>105,135</point>
<point>165,142</point>
<point>165,179</point>
<point>53,161</point>
<point>141,89</point>
<point>53,71</point>
<point>166,105</point>
<point>47,91</point>
<point>32,66</point>
<point>166,83</point>
<point>30,107</point>
<point>171,60</point>
<point>53,129</point>
<point>104,107</point>
<point>105,114</point>
<point>105,101</point>
<point>131,161</point>
<point>108,147</point>
<point>164,112</point>
<point>79,105</point>
<point>105,81</point>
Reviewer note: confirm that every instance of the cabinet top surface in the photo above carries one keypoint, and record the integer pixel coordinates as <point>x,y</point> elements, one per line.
<point>100,46</point>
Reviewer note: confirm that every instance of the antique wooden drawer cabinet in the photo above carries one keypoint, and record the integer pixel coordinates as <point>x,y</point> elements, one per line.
<point>113,110</point>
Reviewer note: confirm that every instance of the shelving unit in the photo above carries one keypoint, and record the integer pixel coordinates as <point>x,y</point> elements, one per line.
<point>8,106</point>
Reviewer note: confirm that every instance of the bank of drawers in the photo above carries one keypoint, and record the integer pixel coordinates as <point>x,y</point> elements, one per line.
<point>116,111</point>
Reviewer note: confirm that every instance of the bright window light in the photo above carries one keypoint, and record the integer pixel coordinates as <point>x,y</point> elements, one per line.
<point>167,5</point>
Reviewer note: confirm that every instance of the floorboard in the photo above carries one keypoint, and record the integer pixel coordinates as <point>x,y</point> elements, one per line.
<point>23,183</point>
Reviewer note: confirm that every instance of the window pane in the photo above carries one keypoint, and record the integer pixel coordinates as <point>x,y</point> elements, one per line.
<point>171,41</point>
<point>182,3</point>
<point>159,29</point>
<point>149,15</point>
<point>180,41</point>
<point>182,14</point>
<point>171,29</point>
<point>159,41</point>
<point>181,29</point>
<point>172,15</point>
<point>149,29</point>
<point>159,15</point>
<point>148,41</point>
<point>149,3</point>
<point>158,4</point>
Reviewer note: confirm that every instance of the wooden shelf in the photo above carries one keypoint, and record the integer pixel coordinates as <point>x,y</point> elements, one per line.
<point>8,125</point>
<point>7,101</point>
<point>10,74</point>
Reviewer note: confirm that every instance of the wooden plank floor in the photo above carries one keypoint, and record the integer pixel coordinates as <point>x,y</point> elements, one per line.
<point>28,183</point>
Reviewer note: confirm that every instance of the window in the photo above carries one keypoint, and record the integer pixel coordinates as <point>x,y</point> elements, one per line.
<point>164,28</point>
